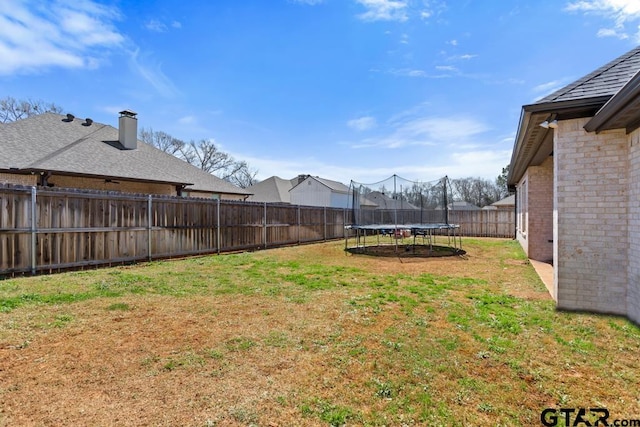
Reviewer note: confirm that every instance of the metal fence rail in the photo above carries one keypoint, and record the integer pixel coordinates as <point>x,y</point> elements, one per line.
<point>44,229</point>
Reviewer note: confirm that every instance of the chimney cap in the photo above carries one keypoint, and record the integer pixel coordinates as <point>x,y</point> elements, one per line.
<point>128,113</point>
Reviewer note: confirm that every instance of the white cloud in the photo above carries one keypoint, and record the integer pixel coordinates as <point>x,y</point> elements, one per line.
<point>408,72</point>
<point>612,32</point>
<point>621,12</point>
<point>187,120</point>
<point>152,73</point>
<point>308,2</point>
<point>413,130</point>
<point>384,10</point>
<point>155,26</point>
<point>362,123</point>
<point>158,26</point>
<point>55,34</point>
<point>547,88</point>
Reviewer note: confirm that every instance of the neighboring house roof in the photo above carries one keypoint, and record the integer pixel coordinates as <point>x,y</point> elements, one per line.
<point>583,98</point>
<point>50,142</point>
<point>462,205</point>
<point>334,186</point>
<point>506,203</point>
<point>385,202</point>
<point>277,190</point>
<point>272,190</point>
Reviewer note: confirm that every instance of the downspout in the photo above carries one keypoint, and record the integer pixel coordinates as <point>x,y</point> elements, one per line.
<point>515,214</point>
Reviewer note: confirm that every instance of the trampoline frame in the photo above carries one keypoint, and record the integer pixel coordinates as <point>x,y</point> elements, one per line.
<point>427,231</point>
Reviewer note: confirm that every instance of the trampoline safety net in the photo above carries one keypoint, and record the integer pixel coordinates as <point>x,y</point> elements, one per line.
<point>401,208</point>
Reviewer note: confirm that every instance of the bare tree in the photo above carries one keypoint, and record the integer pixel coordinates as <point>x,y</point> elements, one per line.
<point>203,154</point>
<point>162,141</point>
<point>478,191</point>
<point>245,177</point>
<point>12,109</point>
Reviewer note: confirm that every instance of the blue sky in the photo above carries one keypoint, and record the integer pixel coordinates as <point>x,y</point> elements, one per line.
<point>342,89</point>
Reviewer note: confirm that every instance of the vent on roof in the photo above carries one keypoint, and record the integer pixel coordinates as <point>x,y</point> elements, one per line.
<point>69,118</point>
<point>87,122</point>
<point>128,129</point>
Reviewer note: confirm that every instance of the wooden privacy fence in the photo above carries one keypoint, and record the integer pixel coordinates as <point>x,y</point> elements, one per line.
<point>45,229</point>
<point>485,223</point>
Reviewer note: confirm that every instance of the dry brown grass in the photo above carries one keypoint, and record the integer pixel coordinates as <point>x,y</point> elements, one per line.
<point>307,336</point>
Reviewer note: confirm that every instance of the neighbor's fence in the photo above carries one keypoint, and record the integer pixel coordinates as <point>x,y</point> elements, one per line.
<point>47,229</point>
<point>485,223</point>
<point>476,223</point>
<point>52,229</point>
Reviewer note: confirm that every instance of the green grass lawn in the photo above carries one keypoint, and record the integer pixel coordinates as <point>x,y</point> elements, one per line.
<point>308,335</point>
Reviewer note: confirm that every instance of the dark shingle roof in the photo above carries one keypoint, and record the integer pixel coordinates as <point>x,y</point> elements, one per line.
<point>605,81</point>
<point>49,142</point>
<point>582,98</point>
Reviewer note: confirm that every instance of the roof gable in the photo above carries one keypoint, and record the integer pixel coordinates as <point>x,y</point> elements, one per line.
<point>273,189</point>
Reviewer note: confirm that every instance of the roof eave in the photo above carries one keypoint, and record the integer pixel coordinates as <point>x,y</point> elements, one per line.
<point>111,177</point>
<point>531,117</point>
<point>625,98</point>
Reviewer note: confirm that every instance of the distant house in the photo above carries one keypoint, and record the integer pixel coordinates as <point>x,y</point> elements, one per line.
<point>462,205</point>
<point>303,190</point>
<point>508,204</point>
<point>316,191</point>
<point>576,169</point>
<point>382,201</point>
<point>272,190</point>
<point>62,151</point>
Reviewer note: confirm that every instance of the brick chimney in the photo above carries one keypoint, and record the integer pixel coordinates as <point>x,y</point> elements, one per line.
<point>128,129</point>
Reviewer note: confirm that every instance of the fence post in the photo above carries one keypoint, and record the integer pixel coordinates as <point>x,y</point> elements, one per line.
<point>34,231</point>
<point>149,217</point>
<point>264,228</point>
<point>325,223</point>
<point>218,226</point>
<point>298,224</point>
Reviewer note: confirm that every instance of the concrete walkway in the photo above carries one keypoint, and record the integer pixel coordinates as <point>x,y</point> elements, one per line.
<point>545,271</point>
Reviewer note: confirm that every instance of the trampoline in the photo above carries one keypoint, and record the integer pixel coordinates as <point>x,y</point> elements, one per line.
<point>398,217</point>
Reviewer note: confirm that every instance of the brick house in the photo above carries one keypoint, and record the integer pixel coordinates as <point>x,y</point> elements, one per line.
<point>62,151</point>
<point>575,167</point>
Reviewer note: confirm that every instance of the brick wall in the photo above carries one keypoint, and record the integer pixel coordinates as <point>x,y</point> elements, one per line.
<point>123,186</point>
<point>18,179</point>
<point>540,202</point>
<point>591,238</point>
<point>633,291</point>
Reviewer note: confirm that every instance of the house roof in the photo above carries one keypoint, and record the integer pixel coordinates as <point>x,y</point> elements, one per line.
<point>507,202</point>
<point>51,142</point>
<point>272,190</point>
<point>385,202</point>
<point>334,186</point>
<point>582,98</point>
<point>462,205</point>
<point>622,111</point>
<point>277,190</point>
